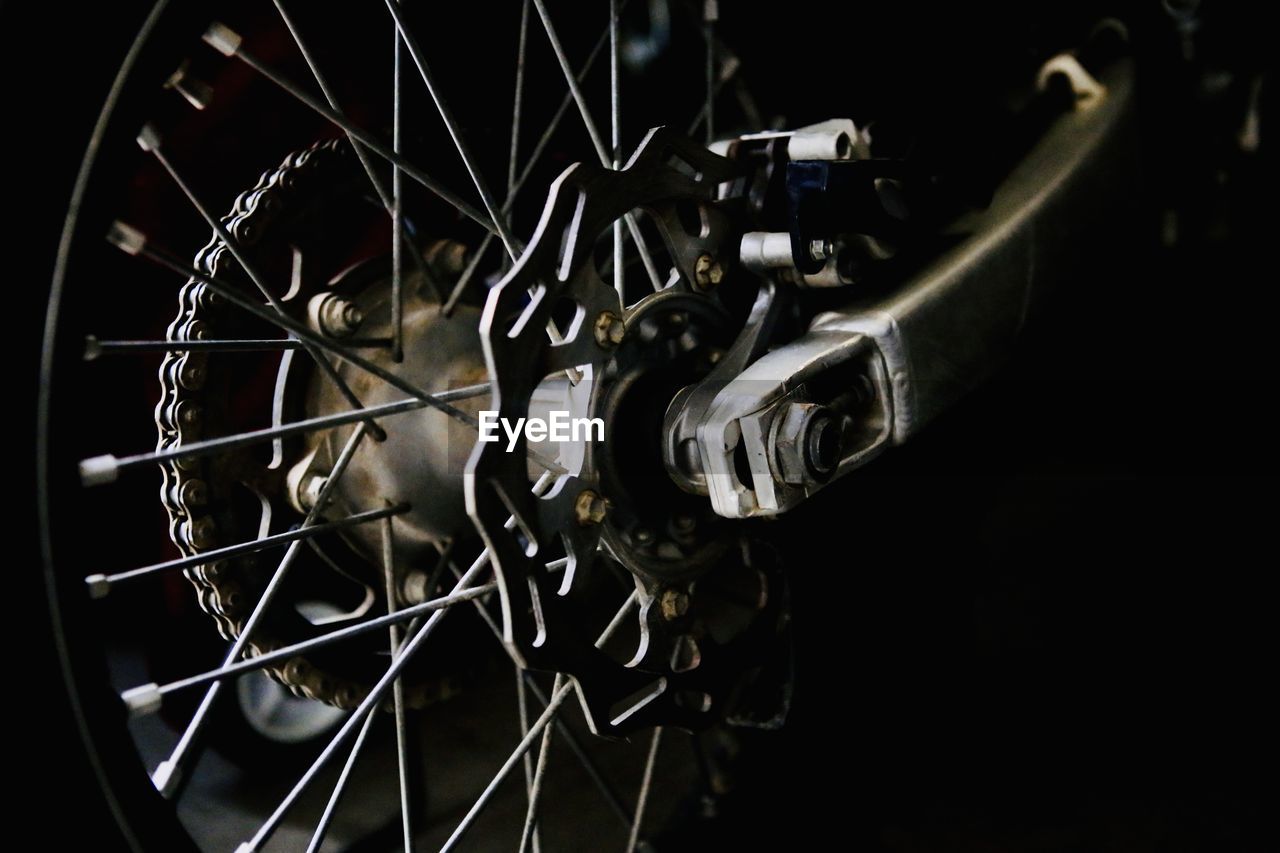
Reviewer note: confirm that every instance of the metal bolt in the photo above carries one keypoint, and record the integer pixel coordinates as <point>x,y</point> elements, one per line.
<point>707,272</point>
<point>643,535</point>
<point>824,443</point>
<point>808,443</point>
<point>674,604</point>
<point>413,589</point>
<point>310,491</point>
<point>819,250</point>
<point>589,508</point>
<point>339,317</point>
<point>197,92</point>
<point>676,322</point>
<point>685,523</point>
<point>609,329</point>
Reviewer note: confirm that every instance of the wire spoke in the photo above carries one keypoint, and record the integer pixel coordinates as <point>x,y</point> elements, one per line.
<point>575,745</point>
<point>376,693</point>
<point>227,42</point>
<point>362,153</point>
<point>169,775</point>
<point>397,686</point>
<point>133,242</point>
<point>534,157</point>
<point>605,160</point>
<point>451,124</point>
<point>149,139</point>
<point>710,13</point>
<point>339,787</point>
<point>646,783</point>
<point>94,348</point>
<point>535,787</point>
<point>557,699</point>
<point>615,138</point>
<point>106,468</point>
<point>100,584</point>
<point>142,698</point>
<point>517,104</point>
<point>522,708</point>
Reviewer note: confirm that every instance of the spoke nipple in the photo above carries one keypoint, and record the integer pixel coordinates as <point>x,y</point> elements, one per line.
<point>609,329</point>
<point>222,39</point>
<point>98,470</point>
<point>98,586</point>
<point>92,349</point>
<point>674,604</point>
<point>166,778</point>
<point>148,137</point>
<point>142,700</point>
<point>126,238</point>
<point>197,92</point>
<point>589,508</point>
<point>707,272</point>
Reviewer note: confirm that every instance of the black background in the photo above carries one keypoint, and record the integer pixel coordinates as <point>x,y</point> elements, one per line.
<point>1045,624</point>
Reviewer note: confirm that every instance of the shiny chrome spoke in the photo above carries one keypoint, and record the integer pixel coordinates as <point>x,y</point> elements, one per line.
<point>455,133</point>
<point>391,203</point>
<point>531,835</point>
<point>575,745</point>
<point>646,782</point>
<point>557,699</point>
<point>534,157</point>
<point>340,786</point>
<point>710,13</point>
<point>589,123</point>
<point>395,640</point>
<point>615,139</point>
<point>133,242</point>
<point>94,348</point>
<point>98,470</point>
<point>376,694</point>
<point>100,585</point>
<point>228,42</point>
<point>144,699</point>
<point>149,140</point>
<point>535,786</point>
<point>170,774</point>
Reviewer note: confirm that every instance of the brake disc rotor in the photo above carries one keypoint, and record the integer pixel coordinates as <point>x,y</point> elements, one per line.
<point>707,610</point>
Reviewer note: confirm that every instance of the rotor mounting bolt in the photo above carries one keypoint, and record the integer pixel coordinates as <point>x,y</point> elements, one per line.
<point>589,508</point>
<point>609,329</point>
<point>707,272</point>
<point>674,604</point>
